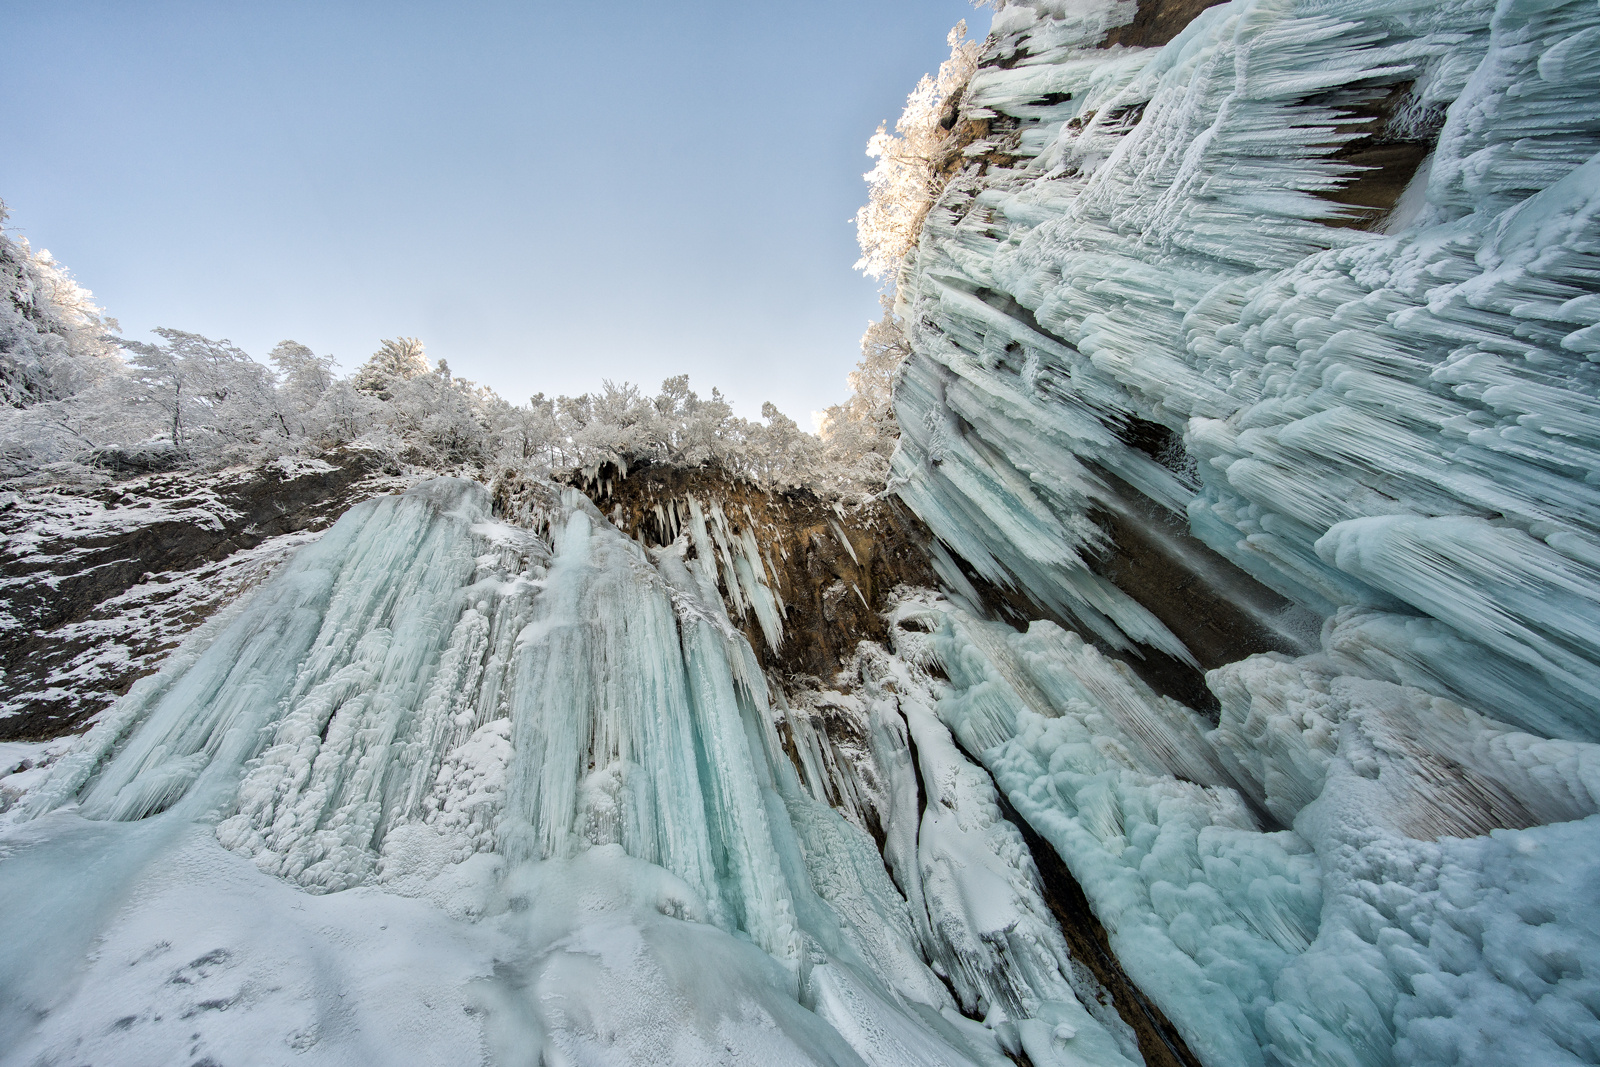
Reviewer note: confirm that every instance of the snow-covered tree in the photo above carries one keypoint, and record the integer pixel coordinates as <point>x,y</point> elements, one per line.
<point>215,400</point>
<point>303,376</point>
<point>397,359</point>
<point>185,399</point>
<point>341,416</point>
<point>52,336</point>
<point>914,161</point>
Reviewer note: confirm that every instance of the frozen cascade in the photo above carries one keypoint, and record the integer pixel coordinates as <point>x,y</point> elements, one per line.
<point>1260,356</point>
<point>1388,926</point>
<point>1296,313</point>
<point>785,563</point>
<point>545,755</point>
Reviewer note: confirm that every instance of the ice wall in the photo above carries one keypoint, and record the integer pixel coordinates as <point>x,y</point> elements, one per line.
<point>1137,292</point>
<point>1393,924</point>
<point>1165,296</point>
<point>544,758</point>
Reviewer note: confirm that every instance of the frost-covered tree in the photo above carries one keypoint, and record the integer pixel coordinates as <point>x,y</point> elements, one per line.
<point>185,399</point>
<point>914,161</point>
<point>52,336</point>
<point>342,416</point>
<point>214,399</point>
<point>781,454</point>
<point>860,433</point>
<point>444,420</point>
<point>397,359</point>
<point>302,379</point>
<point>700,427</point>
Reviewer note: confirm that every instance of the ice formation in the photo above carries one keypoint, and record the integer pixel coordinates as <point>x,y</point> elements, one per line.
<point>560,740</point>
<point>1421,910</point>
<point>1148,304</point>
<point>1160,297</point>
<point>1262,360</point>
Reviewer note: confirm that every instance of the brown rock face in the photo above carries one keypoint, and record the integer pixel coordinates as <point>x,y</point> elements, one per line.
<point>829,566</point>
<point>1156,22</point>
<point>96,587</point>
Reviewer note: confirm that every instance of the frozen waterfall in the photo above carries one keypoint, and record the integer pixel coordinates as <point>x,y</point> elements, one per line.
<point>1253,408</point>
<point>447,784</point>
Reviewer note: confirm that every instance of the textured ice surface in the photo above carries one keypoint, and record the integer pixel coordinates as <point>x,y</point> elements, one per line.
<point>527,783</point>
<point>1416,912</point>
<point>1398,421</point>
<point>1383,852</point>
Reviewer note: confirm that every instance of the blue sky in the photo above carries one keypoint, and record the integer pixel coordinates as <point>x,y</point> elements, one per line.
<point>547,195</point>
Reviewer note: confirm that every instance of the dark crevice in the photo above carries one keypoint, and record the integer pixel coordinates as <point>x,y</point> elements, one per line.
<point>922,788</point>
<point>1396,138</point>
<point>1165,674</point>
<point>1156,22</point>
<point>1151,438</point>
<point>1219,612</point>
<point>1007,304</point>
<point>817,578</point>
<point>1010,60</point>
<point>1126,118</point>
<point>1159,1041</point>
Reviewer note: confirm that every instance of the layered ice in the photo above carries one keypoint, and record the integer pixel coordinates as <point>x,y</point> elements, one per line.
<point>1343,870</point>
<point>526,780</point>
<point>1163,293</point>
<point>1142,291</point>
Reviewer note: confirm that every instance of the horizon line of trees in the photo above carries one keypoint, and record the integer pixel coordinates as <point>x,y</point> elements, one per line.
<point>74,394</point>
<point>79,398</point>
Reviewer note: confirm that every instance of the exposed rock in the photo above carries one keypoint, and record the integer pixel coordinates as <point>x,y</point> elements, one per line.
<point>829,565</point>
<point>96,586</point>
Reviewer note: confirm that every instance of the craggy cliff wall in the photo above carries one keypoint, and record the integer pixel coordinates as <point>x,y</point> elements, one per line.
<point>1254,371</point>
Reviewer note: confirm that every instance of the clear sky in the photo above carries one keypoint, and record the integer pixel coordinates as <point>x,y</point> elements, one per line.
<point>548,195</point>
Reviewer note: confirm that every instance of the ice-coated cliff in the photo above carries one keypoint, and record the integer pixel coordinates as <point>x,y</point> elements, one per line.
<point>1290,320</point>
<point>446,786</point>
<point>1148,306</point>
